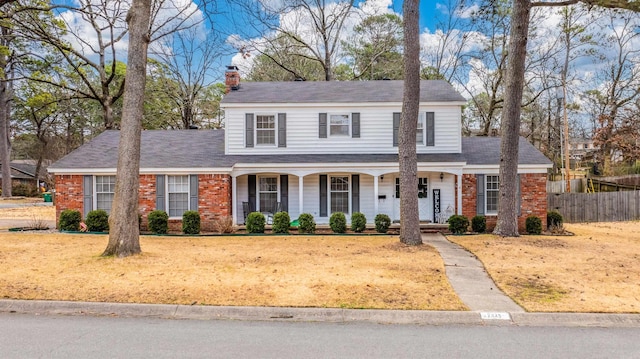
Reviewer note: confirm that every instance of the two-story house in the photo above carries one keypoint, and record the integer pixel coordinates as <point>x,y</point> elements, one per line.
<point>309,147</point>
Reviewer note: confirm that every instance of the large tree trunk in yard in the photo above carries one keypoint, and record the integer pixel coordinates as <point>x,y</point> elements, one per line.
<point>409,215</point>
<point>507,224</point>
<point>124,233</point>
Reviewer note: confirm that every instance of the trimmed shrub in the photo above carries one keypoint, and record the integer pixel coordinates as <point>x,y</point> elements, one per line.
<point>70,220</point>
<point>255,222</point>
<point>306,224</point>
<point>338,222</point>
<point>191,222</point>
<point>479,224</point>
<point>554,219</point>
<point>358,222</point>
<point>158,222</point>
<point>533,225</point>
<point>223,224</point>
<point>382,223</point>
<point>97,221</point>
<point>458,224</point>
<point>281,222</point>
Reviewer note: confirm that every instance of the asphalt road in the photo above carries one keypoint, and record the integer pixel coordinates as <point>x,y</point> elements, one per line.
<point>33,336</point>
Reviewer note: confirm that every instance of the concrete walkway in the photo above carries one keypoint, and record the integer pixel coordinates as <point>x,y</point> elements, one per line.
<point>469,279</point>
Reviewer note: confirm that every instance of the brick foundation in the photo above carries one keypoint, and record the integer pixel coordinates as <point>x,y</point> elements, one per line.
<point>533,188</point>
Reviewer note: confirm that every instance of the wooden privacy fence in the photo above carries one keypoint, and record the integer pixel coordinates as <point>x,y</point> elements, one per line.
<point>596,207</point>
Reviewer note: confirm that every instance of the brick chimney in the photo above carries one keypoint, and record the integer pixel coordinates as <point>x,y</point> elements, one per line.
<point>232,78</point>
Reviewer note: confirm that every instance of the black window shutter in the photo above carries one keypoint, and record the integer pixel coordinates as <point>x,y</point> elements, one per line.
<point>322,125</point>
<point>355,193</point>
<point>248,127</point>
<point>193,192</point>
<point>480,195</point>
<point>284,192</point>
<point>323,195</point>
<point>160,202</point>
<point>355,125</point>
<point>87,189</point>
<point>431,127</point>
<point>396,128</point>
<point>282,130</point>
<point>252,191</point>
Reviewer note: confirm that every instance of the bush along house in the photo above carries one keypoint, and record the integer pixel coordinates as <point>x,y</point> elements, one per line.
<point>308,147</point>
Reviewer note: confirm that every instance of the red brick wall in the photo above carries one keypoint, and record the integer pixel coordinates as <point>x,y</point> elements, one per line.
<point>214,196</point>
<point>69,194</point>
<point>533,188</point>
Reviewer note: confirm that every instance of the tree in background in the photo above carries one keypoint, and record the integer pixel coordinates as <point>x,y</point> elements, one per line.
<point>375,48</point>
<point>309,29</point>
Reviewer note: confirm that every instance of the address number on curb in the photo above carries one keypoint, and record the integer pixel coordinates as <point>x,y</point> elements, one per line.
<point>495,316</point>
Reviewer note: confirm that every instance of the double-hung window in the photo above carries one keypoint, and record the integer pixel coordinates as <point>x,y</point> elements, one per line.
<point>339,194</point>
<point>268,191</point>
<point>420,129</point>
<point>491,194</point>
<point>265,130</point>
<point>339,125</point>
<point>105,189</point>
<point>178,193</point>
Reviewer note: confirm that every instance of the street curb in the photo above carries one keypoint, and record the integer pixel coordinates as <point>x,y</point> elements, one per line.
<point>333,315</point>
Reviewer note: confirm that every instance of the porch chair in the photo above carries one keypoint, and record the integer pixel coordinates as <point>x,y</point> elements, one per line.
<point>246,209</point>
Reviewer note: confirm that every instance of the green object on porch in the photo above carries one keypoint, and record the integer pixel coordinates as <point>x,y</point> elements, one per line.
<point>294,223</point>
<point>47,196</point>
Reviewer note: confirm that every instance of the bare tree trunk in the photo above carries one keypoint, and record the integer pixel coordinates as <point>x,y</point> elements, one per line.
<point>507,224</point>
<point>124,232</point>
<point>5,143</point>
<point>409,215</point>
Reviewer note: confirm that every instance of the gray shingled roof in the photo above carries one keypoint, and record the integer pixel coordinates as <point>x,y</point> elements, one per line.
<point>338,92</point>
<point>486,151</point>
<point>205,149</point>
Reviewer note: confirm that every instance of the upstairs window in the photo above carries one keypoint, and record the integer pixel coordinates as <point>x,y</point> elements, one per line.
<point>339,125</point>
<point>420,129</point>
<point>265,130</point>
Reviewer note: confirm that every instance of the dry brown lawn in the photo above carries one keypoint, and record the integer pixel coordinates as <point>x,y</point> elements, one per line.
<point>29,212</point>
<point>597,270</point>
<point>299,271</point>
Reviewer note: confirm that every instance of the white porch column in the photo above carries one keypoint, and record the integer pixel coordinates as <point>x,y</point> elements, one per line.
<point>234,200</point>
<point>459,191</point>
<point>375,195</point>
<point>300,195</point>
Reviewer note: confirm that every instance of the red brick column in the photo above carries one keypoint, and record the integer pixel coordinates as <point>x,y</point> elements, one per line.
<point>69,194</point>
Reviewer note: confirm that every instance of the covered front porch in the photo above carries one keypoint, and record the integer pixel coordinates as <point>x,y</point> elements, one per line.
<point>322,192</point>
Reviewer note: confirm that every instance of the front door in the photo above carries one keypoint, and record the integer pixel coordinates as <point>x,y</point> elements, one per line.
<point>424,200</point>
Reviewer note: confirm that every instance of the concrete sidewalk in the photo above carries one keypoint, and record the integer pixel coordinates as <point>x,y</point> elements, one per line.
<point>469,278</point>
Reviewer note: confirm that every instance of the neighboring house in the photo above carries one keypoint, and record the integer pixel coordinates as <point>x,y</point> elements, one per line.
<point>23,174</point>
<point>309,147</point>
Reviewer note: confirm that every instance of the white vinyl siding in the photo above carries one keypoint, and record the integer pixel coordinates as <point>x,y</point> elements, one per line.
<point>105,189</point>
<point>177,195</point>
<point>376,130</point>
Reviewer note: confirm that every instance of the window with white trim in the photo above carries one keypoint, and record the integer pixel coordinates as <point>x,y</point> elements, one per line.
<point>339,192</point>
<point>178,195</point>
<point>339,124</point>
<point>265,130</point>
<point>420,129</point>
<point>268,192</point>
<point>105,189</point>
<point>492,185</point>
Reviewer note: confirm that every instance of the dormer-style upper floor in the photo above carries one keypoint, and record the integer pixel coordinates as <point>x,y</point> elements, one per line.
<point>336,117</point>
